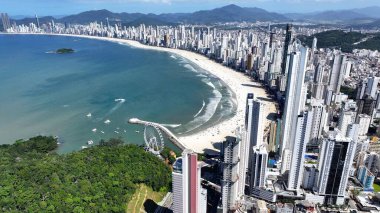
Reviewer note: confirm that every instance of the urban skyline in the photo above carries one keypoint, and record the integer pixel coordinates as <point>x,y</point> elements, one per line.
<point>312,152</point>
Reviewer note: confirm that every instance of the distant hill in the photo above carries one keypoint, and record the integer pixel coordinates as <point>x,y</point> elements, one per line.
<point>373,12</point>
<point>232,13</point>
<point>101,16</point>
<point>42,20</point>
<point>328,16</point>
<point>150,20</point>
<point>369,25</point>
<point>348,17</point>
<point>229,13</point>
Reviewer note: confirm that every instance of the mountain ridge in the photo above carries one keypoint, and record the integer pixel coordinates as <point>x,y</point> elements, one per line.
<point>228,13</point>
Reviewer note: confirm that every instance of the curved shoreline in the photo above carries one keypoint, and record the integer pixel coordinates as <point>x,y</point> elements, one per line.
<point>210,138</point>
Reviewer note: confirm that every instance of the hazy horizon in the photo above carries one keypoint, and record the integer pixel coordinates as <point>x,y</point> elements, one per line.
<point>69,7</point>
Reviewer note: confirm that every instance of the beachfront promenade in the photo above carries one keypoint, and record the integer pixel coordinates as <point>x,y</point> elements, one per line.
<point>170,135</point>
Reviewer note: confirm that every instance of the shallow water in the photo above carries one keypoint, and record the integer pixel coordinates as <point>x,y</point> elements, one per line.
<point>52,94</point>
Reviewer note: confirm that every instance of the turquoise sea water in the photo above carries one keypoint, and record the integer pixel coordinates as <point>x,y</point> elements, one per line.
<point>51,94</point>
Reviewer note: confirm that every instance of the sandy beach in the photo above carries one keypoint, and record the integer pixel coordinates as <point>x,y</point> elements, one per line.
<point>210,138</point>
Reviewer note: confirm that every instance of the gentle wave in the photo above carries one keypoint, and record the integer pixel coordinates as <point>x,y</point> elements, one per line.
<point>208,82</point>
<point>191,68</point>
<point>211,85</point>
<point>199,112</point>
<point>209,111</point>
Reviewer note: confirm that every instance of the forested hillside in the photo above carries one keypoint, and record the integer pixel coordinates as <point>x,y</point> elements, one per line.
<point>102,178</point>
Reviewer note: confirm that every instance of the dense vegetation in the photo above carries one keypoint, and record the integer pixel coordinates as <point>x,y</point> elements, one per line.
<point>371,44</point>
<point>64,50</point>
<point>102,178</point>
<point>334,39</point>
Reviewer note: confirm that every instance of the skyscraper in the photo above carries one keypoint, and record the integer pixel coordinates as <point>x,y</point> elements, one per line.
<point>259,166</point>
<point>318,121</point>
<point>254,118</point>
<point>336,74</point>
<point>254,122</point>
<point>372,86</point>
<point>294,95</point>
<point>37,22</point>
<point>288,40</point>
<point>232,184</point>
<point>335,161</point>
<point>5,21</point>
<point>318,84</point>
<point>188,195</point>
<point>299,142</point>
<point>345,118</point>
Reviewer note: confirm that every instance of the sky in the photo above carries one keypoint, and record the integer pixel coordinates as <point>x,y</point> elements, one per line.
<point>68,7</point>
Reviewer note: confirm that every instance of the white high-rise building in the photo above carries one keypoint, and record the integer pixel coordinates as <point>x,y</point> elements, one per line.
<point>318,121</point>
<point>188,195</point>
<point>335,162</point>
<point>353,131</point>
<point>301,138</point>
<point>347,69</point>
<point>294,96</point>
<point>233,184</point>
<point>259,166</point>
<point>318,84</point>
<point>254,119</point>
<point>309,178</point>
<point>371,89</point>
<point>364,122</point>
<point>254,123</point>
<point>346,118</point>
<point>336,74</point>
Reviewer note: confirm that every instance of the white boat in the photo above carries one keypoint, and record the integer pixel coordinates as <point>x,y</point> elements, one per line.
<point>84,147</point>
<point>94,130</point>
<point>90,142</point>
<point>102,132</point>
<point>120,100</point>
<point>107,121</point>
<point>116,132</point>
<point>89,115</point>
<point>137,131</point>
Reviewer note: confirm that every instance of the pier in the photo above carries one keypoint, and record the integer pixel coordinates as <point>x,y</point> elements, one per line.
<point>170,135</point>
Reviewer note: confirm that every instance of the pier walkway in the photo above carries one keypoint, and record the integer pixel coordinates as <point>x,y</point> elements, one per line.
<point>170,135</point>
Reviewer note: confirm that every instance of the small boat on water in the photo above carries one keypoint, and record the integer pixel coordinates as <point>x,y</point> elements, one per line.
<point>137,131</point>
<point>89,115</point>
<point>90,142</point>
<point>84,147</point>
<point>94,130</point>
<point>107,121</point>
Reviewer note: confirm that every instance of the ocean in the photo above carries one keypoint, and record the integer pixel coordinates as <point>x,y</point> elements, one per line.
<point>44,93</point>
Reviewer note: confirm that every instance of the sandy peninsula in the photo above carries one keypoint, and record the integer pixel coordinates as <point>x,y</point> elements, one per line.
<point>210,138</point>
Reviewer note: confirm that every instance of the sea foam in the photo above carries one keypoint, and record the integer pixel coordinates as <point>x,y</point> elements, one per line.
<point>199,112</point>
<point>191,68</point>
<point>209,111</point>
